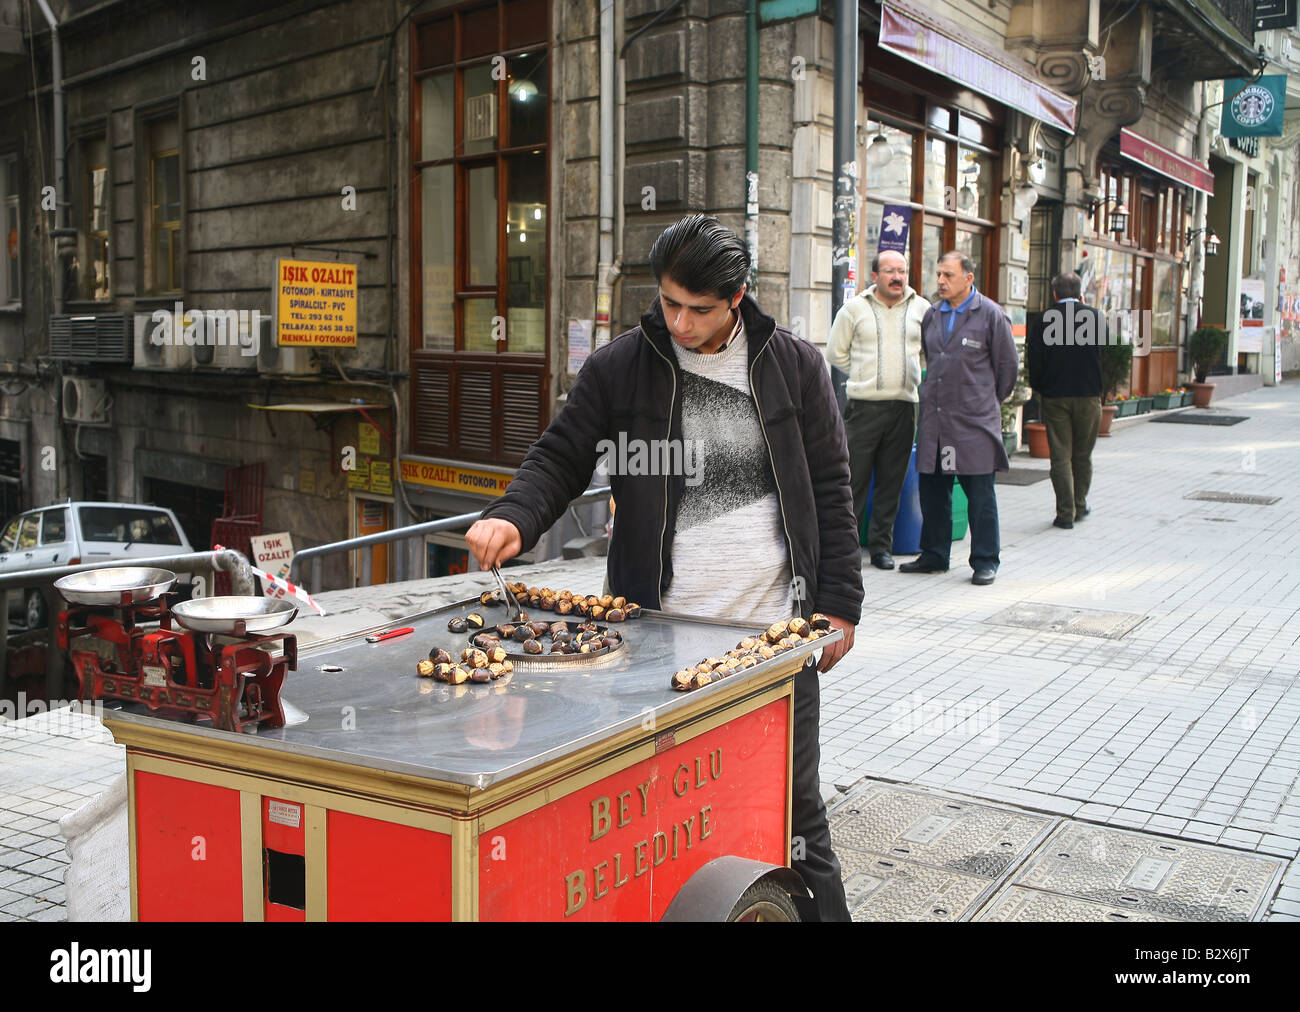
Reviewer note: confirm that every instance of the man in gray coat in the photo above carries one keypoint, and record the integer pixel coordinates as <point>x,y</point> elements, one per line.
<point>971,367</point>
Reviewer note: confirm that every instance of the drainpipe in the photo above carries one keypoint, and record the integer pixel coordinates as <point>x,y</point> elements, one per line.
<point>606,270</point>
<point>751,139</point>
<point>61,232</point>
<point>846,165</point>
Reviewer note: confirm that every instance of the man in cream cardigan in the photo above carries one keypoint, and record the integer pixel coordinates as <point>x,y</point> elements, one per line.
<point>876,339</point>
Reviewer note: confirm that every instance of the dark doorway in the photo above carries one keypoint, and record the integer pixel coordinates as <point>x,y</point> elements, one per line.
<point>94,478</point>
<point>11,478</point>
<point>194,507</point>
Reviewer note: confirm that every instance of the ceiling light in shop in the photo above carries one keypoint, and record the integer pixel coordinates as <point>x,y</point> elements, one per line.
<point>879,153</point>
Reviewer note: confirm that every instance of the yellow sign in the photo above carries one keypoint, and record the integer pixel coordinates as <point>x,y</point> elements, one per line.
<point>381,477</point>
<point>368,439</point>
<point>459,479</point>
<point>307,479</point>
<point>359,476</point>
<point>316,304</point>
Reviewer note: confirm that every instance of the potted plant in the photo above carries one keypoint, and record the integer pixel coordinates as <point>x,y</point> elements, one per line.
<point>1116,360</point>
<point>1186,396</point>
<point>1205,349</point>
<point>1011,407</point>
<point>1168,398</point>
<point>1145,403</point>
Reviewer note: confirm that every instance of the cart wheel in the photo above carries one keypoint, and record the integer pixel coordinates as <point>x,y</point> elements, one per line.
<point>765,900</point>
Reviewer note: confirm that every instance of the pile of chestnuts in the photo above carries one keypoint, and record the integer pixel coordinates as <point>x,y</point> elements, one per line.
<point>752,650</point>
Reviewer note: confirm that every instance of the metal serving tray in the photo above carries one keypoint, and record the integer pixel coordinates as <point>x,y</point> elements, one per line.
<point>367,706</point>
<point>227,614</point>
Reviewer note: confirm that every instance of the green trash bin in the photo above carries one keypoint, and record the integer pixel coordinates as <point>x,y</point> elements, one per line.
<point>959,511</point>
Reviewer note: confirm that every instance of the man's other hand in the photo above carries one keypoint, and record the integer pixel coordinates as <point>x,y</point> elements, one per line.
<point>832,652</point>
<point>492,542</point>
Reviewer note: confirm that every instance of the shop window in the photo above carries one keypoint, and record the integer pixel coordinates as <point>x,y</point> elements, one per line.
<point>11,289</point>
<point>93,250</point>
<point>481,220</point>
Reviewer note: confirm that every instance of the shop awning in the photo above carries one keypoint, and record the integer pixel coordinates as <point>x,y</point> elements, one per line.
<point>940,46</point>
<point>1159,158</point>
<point>330,407</point>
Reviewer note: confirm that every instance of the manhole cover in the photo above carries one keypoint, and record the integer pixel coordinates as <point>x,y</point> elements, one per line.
<point>1019,904</point>
<point>1111,625</point>
<point>1152,875</point>
<point>878,888</point>
<point>1239,498</point>
<point>935,830</point>
<point>1198,418</point>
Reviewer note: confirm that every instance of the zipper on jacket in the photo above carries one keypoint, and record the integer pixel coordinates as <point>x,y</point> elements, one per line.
<point>663,531</point>
<point>780,497</point>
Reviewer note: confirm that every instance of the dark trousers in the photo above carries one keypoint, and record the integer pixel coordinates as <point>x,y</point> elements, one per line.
<point>880,435</point>
<point>936,519</point>
<point>1072,424</point>
<point>809,829</point>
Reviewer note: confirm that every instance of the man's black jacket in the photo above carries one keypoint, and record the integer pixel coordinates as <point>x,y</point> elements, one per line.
<point>633,385</point>
<point>1063,351</point>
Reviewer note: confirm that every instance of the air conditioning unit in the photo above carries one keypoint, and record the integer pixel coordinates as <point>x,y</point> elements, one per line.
<point>101,338</point>
<point>172,355</point>
<point>272,360</point>
<point>85,400</point>
<point>225,340</point>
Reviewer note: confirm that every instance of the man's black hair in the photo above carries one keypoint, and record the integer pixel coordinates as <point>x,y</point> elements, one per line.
<point>702,256</point>
<point>967,264</point>
<point>1067,286</point>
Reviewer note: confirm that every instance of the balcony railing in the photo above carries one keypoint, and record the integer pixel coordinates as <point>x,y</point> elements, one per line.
<point>1240,12</point>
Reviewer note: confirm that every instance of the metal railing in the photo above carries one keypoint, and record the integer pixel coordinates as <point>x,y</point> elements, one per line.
<point>461,522</point>
<point>227,560</point>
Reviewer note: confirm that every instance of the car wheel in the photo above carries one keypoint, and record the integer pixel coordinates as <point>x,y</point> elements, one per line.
<point>765,900</point>
<point>36,612</point>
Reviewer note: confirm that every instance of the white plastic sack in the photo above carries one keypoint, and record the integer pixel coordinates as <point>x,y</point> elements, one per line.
<point>98,881</point>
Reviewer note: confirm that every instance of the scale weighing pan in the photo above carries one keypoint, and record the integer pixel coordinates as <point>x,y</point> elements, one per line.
<point>234,616</point>
<point>110,586</point>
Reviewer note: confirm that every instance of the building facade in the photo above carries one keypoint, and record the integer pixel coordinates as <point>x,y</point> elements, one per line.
<point>490,175</point>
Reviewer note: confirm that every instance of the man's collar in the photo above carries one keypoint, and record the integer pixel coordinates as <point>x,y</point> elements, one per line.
<point>759,327</point>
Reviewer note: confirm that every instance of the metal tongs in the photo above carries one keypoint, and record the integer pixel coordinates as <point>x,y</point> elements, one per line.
<point>507,598</point>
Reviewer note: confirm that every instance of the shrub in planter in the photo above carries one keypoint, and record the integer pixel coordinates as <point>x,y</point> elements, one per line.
<point>1116,361</point>
<point>1205,349</point>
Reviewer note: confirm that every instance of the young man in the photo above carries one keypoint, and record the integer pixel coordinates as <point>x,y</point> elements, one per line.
<point>876,339</point>
<point>763,529</point>
<point>971,366</point>
<point>1064,363</point>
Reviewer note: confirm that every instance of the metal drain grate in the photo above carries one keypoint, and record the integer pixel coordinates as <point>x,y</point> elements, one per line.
<point>1111,625</point>
<point>1239,498</point>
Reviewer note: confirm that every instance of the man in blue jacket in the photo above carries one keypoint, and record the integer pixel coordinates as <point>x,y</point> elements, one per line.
<point>708,372</point>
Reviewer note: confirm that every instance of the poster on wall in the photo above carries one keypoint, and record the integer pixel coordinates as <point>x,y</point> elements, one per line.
<point>1250,335</point>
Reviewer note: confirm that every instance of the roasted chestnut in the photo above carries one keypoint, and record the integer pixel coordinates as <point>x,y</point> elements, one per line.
<point>564,606</point>
<point>581,607</point>
<point>457,625</point>
<point>506,631</point>
<point>439,656</point>
<point>775,631</point>
<point>481,675</point>
<point>632,610</point>
<point>496,655</point>
<point>748,643</point>
<point>557,647</point>
<point>555,628</point>
<point>486,640</point>
<point>532,647</point>
<point>497,670</point>
<point>820,621</point>
<point>766,652</point>
<point>681,680</point>
<point>539,628</point>
<point>618,602</point>
<point>615,615</point>
<point>474,621</point>
<point>606,600</point>
<point>701,679</point>
<point>799,627</point>
<point>489,597</point>
<point>442,672</point>
<point>425,668</point>
<point>458,674</point>
<point>522,633</point>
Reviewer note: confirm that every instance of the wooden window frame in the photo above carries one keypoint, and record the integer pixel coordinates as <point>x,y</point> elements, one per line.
<point>459,368</point>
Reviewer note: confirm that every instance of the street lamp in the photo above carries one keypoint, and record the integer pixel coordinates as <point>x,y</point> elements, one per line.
<point>1211,239</point>
<point>1118,223</point>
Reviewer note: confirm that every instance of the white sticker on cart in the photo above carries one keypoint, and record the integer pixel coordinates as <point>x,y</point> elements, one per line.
<point>284,814</point>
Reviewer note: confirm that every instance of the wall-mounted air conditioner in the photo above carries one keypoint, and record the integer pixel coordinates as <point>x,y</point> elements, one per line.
<point>158,347</point>
<point>225,339</point>
<point>276,361</point>
<point>85,400</point>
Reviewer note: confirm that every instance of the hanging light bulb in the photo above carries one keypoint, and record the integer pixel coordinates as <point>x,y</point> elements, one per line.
<point>966,197</point>
<point>1024,199</point>
<point>1211,243</point>
<point>879,153</point>
<point>537,214</point>
<point>523,236</point>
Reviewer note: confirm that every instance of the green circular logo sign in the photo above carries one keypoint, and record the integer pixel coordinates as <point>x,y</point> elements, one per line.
<point>1253,106</point>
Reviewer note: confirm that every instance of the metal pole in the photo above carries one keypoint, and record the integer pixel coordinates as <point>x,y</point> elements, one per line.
<point>751,140</point>
<point>843,267</point>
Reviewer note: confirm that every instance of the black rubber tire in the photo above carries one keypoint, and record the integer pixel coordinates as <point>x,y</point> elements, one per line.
<point>35,611</point>
<point>765,900</point>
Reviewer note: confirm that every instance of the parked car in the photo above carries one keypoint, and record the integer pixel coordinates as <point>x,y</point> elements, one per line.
<point>73,533</point>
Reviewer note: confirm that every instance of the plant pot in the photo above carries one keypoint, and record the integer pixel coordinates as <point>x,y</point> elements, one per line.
<point>1145,404</point>
<point>1166,401</point>
<point>1107,413</point>
<point>1126,408</point>
<point>1036,436</point>
<point>1201,394</point>
<point>1187,398</point>
<point>1010,441</point>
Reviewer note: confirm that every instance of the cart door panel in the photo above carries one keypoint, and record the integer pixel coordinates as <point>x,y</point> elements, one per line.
<point>188,850</point>
<point>621,848</point>
<point>383,871</point>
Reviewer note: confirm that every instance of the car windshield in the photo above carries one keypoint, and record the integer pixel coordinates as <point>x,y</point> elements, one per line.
<point>10,534</point>
<point>119,523</point>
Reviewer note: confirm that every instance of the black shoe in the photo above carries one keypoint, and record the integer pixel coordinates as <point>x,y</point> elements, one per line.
<point>921,566</point>
<point>1080,516</point>
<point>882,560</point>
<point>1065,525</point>
<point>983,577</point>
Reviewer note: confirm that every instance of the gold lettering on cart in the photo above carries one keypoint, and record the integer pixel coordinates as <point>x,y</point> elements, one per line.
<point>652,851</point>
